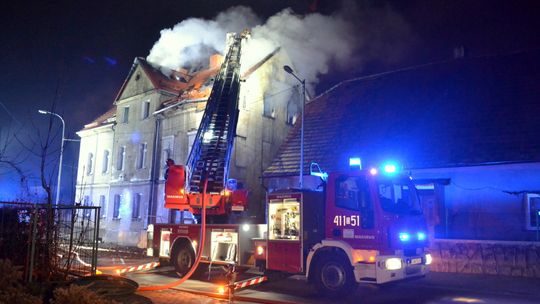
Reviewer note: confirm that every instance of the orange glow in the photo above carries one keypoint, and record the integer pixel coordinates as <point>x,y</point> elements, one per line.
<point>182,191</point>
<point>371,259</point>
<point>260,250</point>
<point>221,290</point>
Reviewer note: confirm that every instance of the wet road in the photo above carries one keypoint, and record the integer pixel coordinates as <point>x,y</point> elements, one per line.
<point>435,288</point>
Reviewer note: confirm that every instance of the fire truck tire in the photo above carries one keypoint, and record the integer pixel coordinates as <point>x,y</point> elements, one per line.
<point>333,276</point>
<point>182,259</point>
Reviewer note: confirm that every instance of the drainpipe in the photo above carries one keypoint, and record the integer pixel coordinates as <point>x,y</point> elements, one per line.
<point>154,171</point>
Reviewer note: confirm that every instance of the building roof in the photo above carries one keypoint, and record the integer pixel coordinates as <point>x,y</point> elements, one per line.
<point>463,112</point>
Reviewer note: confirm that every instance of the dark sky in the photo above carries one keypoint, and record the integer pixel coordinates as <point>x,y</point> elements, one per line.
<point>79,52</point>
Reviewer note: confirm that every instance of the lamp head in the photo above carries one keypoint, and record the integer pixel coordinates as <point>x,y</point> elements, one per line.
<point>43,112</point>
<point>288,69</point>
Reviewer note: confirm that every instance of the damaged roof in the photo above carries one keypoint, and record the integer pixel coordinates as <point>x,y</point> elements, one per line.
<point>463,112</point>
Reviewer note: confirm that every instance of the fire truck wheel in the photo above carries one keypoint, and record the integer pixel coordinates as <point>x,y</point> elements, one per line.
<point>333,276</point>
<point>182,259</point>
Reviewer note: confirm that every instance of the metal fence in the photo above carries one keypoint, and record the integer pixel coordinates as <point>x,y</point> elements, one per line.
<point>48,242</point>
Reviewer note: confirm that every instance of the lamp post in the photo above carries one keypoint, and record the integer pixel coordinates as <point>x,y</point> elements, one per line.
<point>289,70</point>
<point>61,154</point>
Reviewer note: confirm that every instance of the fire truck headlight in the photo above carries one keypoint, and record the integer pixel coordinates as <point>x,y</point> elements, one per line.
<point>245,227</point>
<point>404,236</point>
<point>429,259</point>
<point>260,250</point>
<point>393,264</point>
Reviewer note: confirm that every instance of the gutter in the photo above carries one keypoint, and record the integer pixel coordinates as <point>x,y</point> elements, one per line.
<point>183,102</point>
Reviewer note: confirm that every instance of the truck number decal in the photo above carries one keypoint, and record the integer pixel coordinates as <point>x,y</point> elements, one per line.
<point>345,220</point>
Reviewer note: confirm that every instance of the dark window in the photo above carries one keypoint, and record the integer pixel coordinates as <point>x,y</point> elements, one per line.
<point>125,115</point>
<point>145,109</point>
<point>116,207</point>
<point>136,208</point>
<point>102,203</point>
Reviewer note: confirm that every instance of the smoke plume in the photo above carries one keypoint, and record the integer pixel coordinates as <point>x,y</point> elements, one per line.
<point>313,44</point>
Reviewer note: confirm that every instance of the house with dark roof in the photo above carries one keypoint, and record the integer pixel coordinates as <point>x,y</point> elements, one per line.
<point>467,129</point>
<point>154,117</point>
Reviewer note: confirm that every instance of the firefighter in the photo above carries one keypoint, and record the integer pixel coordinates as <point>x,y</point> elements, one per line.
<point>169,164</point>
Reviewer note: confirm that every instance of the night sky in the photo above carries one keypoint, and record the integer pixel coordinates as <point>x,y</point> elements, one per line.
<point>78,53</point>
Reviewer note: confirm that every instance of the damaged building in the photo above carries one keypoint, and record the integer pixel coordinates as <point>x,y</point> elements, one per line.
<point>155,116</point>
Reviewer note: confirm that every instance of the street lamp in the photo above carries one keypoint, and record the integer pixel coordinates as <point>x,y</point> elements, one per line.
<point>61,153</point>
<point>289,70</point>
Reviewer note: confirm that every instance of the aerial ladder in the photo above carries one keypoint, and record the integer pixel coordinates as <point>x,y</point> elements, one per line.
<point>210,155</point>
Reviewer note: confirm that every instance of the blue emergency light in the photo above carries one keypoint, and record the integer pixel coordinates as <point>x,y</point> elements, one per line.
<point>421,236</point>
<point>404,236</point>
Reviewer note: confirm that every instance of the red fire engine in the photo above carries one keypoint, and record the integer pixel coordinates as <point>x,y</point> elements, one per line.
<point>363,227</point>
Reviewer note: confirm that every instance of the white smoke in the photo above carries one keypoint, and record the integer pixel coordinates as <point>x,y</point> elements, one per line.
<point>191,41</point>
<point>312,44</point>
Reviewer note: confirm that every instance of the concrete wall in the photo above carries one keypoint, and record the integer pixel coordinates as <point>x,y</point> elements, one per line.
<point>486,257</point>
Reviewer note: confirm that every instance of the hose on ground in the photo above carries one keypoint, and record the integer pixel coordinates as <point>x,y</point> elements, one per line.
<point>202,239</point>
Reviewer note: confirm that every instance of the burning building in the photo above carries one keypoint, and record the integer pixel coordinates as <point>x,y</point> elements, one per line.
<point>154,117</point>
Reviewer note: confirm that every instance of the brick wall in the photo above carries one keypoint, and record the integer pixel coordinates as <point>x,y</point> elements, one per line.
<point>486,257</point>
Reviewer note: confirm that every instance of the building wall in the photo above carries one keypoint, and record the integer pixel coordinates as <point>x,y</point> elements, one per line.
<point>486,202</point>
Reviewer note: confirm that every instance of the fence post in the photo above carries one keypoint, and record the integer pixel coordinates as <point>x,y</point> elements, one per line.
<point>33,244</point>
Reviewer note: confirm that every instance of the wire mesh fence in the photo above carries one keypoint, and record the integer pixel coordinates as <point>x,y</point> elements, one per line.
<point>49,242</point>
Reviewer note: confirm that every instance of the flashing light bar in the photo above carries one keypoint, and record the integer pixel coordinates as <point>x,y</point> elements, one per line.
<point>373,171</point>
<point>421,236</point>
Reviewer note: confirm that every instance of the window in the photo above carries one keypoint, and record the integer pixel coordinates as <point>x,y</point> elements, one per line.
<point>89,164</point>
<point>166,152</point>
<point>352,193</point>
<point>142,156</point>
<point>532,202</point>
<point>86,203</point>
<point>145,110</point>
<point>116,207</point>
<point>136,208</point>
<point>125,115</point>
<point>102,204</point>
<point>292,107</point>
<point>105,163</point>
<point>120,160</point>
<point>269,109</point>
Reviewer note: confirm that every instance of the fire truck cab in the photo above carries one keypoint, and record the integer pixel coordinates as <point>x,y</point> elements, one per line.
<point>363,227</point>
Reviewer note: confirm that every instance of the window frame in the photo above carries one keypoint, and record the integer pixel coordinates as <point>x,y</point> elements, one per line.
<point>117,202</point>
<point>145,109</point>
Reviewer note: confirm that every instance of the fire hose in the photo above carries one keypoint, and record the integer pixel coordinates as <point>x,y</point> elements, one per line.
<point>202,238</point>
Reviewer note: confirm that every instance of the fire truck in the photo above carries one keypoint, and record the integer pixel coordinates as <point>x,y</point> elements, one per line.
<point>363,226</point>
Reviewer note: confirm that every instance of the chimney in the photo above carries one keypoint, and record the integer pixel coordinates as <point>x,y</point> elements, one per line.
<point>215,61</point>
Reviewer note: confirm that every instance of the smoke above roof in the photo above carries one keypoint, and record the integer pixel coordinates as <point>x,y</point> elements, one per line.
<point>314,43</point>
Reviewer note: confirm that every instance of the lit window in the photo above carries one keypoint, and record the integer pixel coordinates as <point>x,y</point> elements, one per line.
<point>121,156</point>
<point>142,156</point>
<point>136,208</point>
<point>292,108</point>
<point>89,164</point>
<point>125,115</point>
<point>116,207</point>
<point>105,163</point>
<point>145,109</point>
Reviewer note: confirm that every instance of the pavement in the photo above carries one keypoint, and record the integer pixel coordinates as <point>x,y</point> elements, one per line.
<point>437,287</point>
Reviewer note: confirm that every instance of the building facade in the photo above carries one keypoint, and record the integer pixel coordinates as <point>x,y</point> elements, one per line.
<point>155,116</point>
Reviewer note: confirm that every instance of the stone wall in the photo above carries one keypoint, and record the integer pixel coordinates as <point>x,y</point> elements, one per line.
<point>486,257</point>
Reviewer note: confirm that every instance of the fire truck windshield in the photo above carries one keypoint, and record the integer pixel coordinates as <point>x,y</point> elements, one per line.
<point>399,196</point>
